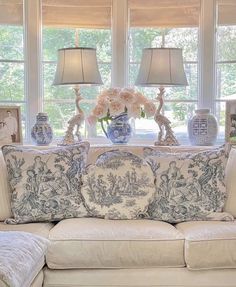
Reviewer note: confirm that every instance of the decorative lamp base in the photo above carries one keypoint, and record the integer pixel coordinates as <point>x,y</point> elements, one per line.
<point>169,141</point>
<point>75,121</point>
<point>166,135</point>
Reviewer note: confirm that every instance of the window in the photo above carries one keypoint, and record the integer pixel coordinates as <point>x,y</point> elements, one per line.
<point>26,72</point>
<point>71,24</point>
<point>225,59</point>
<point>167,24</point>
<point>12,56</point>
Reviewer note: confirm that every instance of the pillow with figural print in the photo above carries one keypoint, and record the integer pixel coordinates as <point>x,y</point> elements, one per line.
<point>189,186</point>
<point>45,184</point>
<point>120,185</point>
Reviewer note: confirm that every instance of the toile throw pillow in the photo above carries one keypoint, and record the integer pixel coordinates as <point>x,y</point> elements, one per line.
<point>120,185</point>
<point>45,184</point>
<point>189,186</point>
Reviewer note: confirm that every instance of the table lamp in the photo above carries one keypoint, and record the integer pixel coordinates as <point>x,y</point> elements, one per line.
<point>75,67</point>
<point>162,67</point>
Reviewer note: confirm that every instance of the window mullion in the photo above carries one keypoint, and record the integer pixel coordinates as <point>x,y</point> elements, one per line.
<point>33,79</point>
<point>119,43</point>
<point>207,54</point>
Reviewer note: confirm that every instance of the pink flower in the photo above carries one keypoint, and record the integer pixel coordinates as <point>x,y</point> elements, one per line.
<point>91,120</point>
<point>99,111</point>
<point>111,93</point>
<point>134,111</point>
<point>149,109</point>
<point>140,98</point>
<point>103,101</point>
<point>116,107</point>
<point>126,97</point>
<point>116,101</point>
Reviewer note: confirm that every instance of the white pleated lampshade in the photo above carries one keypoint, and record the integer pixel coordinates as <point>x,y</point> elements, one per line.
<point>77,66</point>
<point>161,67</point>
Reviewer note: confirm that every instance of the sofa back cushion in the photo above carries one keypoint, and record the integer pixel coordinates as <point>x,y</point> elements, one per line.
<point>5,206</point>
<point>120,185</point>
<point>189,186</point>
<point>230,173</point>
<point>45,184</point>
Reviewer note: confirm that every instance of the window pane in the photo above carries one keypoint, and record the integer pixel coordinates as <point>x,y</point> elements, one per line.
<point>71,37</point>
<point>226,43</point>
<point>105,71</point>
<point>140,38</point>
<point>12,57</point>
<point>226,81</point>
<point>11,82</point>
<point>54,39</point>
<point>96,38</point>
<point>185,38</point>
<point>226,61</point>
<point>11,30</point>
<point>226,50</point>
<point>11,42</point>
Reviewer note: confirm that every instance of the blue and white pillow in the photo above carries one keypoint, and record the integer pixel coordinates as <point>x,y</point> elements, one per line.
<point>120,185</point>
<point>189,186</point>
<point>45,184</point>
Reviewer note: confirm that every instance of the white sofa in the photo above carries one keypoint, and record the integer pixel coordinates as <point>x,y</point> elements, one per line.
<point>99,252</point>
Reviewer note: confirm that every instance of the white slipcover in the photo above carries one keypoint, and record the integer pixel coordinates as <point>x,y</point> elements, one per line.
<point>209,244</point>
<point>101,243</point>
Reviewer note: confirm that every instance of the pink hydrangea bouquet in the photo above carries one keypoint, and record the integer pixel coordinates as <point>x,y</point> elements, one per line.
<point>114,101</point>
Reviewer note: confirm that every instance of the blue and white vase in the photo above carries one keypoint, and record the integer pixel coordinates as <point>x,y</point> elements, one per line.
<point>203,128</point>
<point>41,132</point>
<point>119,131</point>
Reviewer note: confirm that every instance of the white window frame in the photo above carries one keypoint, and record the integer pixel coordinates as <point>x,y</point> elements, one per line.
<point>33,63</point>
<point>120,20</point>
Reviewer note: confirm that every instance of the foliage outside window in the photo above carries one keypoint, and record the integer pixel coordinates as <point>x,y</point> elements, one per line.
<point>71,32</point>
<point>12,56</point>
<point>180,102</point>
<point>174,23</point>
<point>225,59</point>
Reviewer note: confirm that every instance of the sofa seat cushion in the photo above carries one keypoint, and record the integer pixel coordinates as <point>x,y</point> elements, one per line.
<point>209,245</point>
<point>100,243</point>
<point>41,229</point>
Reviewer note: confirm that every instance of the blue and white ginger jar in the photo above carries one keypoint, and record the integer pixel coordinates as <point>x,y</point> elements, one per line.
<point>41,132</point>
<point>203,128</point>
